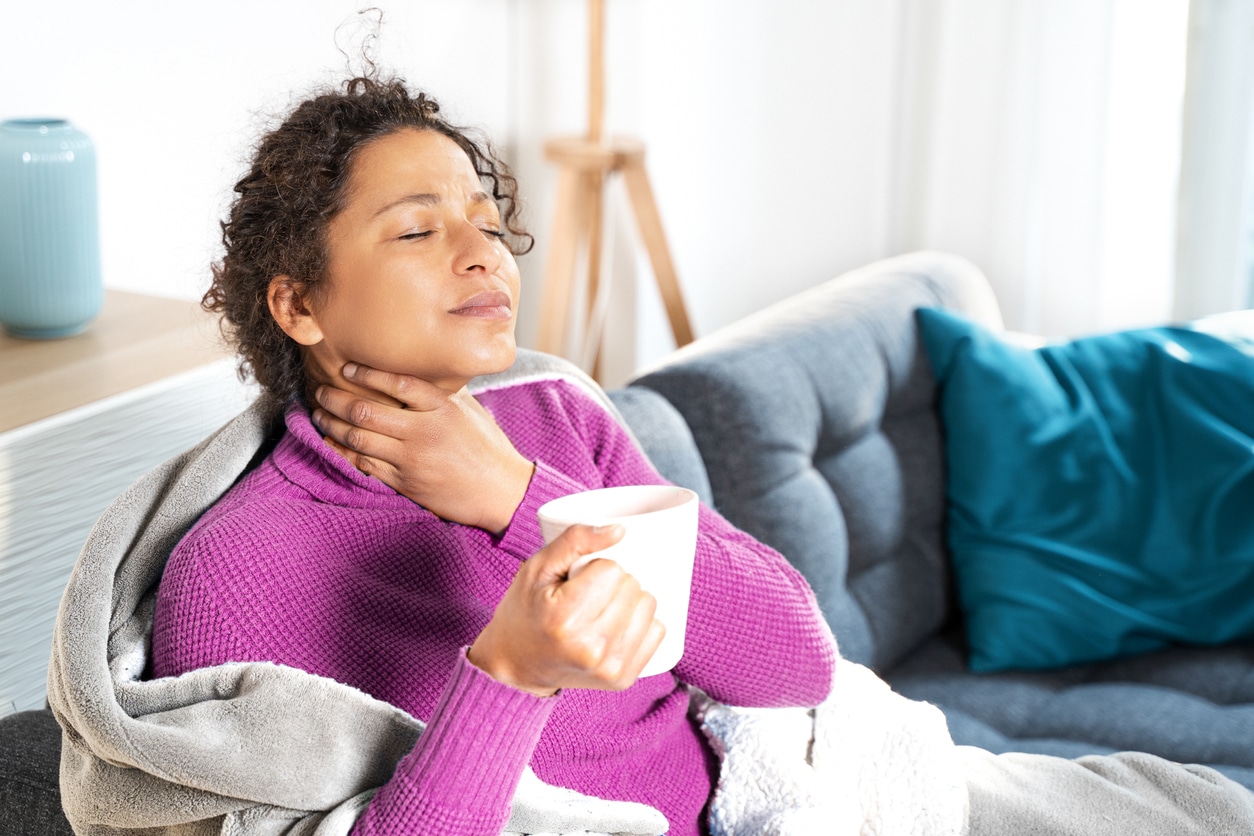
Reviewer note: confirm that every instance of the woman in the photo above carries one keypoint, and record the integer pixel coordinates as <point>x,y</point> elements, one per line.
<point>390,539</point>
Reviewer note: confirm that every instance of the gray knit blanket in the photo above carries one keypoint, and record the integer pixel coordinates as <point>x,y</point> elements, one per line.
<point>256,748</point>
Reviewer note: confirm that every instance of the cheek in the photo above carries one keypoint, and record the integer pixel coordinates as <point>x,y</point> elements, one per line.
<point>509,272</point>
<point>382,330</point>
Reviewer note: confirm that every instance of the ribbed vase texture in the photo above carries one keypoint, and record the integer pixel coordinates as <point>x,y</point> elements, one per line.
<point>50,284</point>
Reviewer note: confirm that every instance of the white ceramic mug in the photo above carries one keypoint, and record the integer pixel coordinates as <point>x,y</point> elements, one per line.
<point>657,549</point>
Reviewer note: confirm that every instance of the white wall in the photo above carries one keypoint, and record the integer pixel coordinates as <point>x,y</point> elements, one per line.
<point>788,140</point>
<point>766,123</point>
<point>768,129</point>
<point>173,95</point>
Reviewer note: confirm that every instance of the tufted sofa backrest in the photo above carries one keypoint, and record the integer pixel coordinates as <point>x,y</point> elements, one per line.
<point>817,425</point>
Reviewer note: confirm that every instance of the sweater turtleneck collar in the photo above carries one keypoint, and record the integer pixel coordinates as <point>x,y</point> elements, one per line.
<point>304,457</point>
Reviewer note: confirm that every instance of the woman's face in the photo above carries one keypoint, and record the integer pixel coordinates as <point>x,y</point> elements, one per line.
<point>418,278</point>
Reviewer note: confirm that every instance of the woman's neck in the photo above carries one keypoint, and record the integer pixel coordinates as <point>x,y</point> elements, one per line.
<point>318,372</point>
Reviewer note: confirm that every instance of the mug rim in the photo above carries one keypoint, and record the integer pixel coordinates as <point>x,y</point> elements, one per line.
<point>552,510</point>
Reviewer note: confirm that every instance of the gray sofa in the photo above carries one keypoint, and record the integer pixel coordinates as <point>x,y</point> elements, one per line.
<point>816,424</point>
<point>813,425</point>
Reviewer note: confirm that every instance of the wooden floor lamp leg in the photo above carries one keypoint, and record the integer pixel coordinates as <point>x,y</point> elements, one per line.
<point>559,275</point>
<point>595,182</point>
<point>654,237</point>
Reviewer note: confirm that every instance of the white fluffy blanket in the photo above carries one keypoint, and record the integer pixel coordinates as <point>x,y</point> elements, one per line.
<point>867,762</point>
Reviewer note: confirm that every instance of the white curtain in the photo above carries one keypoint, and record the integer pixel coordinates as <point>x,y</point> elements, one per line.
<point>1041,138</point>
<point>1214,243</point>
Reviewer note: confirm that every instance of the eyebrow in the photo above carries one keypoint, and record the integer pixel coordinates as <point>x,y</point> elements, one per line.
<point>429,199</point>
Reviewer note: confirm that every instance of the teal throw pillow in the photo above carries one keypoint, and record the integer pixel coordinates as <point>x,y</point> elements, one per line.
<point>1100,491</point>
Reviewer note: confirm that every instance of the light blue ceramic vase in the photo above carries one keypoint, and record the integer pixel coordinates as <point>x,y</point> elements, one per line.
<point>50,283</point>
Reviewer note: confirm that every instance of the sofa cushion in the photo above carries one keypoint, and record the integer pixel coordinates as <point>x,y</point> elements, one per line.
<point>816,423</point>
<point>1099,491</point>
<point>30,762</point>
<point>1191,705</point>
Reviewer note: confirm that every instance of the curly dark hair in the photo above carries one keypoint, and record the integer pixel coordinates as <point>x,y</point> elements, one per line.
<point>295,186</point>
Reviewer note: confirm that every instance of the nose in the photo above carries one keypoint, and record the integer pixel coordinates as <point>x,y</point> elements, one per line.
<point>476,250</point>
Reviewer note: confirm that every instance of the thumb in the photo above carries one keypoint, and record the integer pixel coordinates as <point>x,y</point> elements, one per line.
<point>556,559</point>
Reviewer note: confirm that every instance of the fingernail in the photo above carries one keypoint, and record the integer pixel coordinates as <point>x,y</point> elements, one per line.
<point>317,419</point>
<point>605,529</point>
<point>350,370</point>
<point>318,393</point>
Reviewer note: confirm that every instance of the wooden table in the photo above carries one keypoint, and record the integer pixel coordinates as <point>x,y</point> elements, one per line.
<point>136,340</point>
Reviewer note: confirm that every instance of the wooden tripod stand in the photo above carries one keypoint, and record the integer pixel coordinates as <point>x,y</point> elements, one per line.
<point>585,165</point>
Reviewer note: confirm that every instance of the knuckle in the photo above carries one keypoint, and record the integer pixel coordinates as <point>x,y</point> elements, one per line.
<point>607,577</point>
<point>354,438</point>
<point>658,628</point>
<point>612,677</point>
<point>621,583</point>
<point>604,567</point>
<point>618,675</point>
<point>552,625</point>
<point>359,412</point>
<point>585,652</point>
<point>648,603</point>
<point>559,627</point>
<point>566,629</point>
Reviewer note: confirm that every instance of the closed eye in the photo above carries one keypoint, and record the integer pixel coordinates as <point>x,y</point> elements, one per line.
<point>415,235</point>
<point>495,233</point>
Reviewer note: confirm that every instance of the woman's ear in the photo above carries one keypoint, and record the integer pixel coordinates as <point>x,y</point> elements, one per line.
<point>287,305</point>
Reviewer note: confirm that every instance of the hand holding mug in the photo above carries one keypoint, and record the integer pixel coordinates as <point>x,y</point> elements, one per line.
<point>551,630</point>
<point>658,548</point>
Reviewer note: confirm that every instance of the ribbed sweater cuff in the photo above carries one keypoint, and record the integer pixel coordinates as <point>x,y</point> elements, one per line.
<point>480,737</point>
<point>523,538</point>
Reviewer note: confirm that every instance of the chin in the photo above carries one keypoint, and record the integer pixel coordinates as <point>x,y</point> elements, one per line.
<point>495,359</point>
<point>505,360</point>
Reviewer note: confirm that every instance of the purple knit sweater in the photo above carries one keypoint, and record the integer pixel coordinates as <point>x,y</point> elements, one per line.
<point>308,563</point>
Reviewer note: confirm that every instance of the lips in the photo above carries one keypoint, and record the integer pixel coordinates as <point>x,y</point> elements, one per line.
<point>490,304</point>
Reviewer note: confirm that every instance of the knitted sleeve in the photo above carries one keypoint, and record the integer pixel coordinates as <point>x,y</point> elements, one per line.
<point>755,635</point>
<point>461,775</point>
<point>522,538</point>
